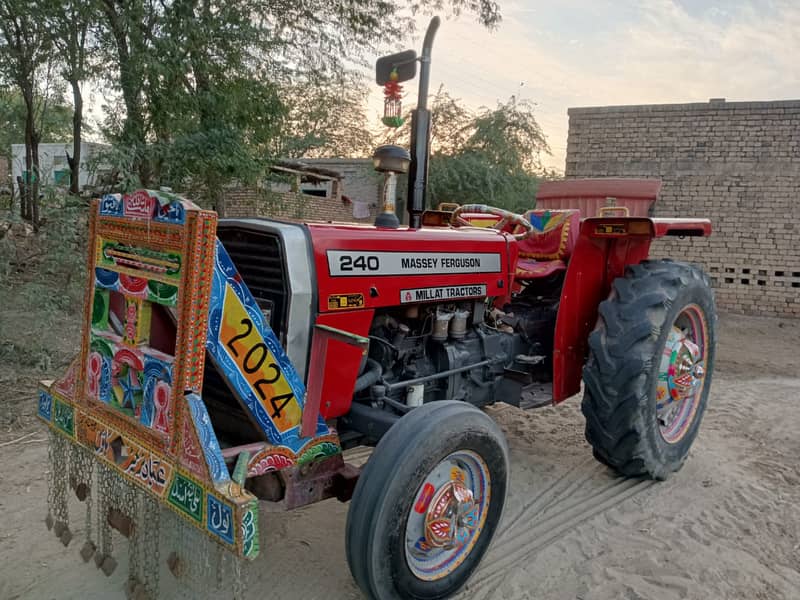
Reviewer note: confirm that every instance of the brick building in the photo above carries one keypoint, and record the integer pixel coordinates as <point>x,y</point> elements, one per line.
<point>737,163</point>
<point>326,189</point>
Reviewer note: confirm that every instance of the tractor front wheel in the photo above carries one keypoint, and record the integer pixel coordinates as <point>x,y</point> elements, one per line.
<point>427,503</point>
<point>651,357</point>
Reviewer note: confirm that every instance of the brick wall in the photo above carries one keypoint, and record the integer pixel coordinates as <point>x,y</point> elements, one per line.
<point>737,163</point>
<point>244,202</point>
<point>359,179</point>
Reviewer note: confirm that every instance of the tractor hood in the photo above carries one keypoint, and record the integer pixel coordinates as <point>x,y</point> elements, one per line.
<point>361,266</point>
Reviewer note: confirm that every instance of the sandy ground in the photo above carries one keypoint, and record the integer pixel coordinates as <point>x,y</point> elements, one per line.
<point>726,526</point>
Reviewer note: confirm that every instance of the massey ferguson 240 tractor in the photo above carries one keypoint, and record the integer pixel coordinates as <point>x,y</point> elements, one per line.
<point>227,364</point>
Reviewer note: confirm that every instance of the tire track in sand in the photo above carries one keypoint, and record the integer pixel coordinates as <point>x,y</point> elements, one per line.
<point>550,494</point>
<point>549,516</point>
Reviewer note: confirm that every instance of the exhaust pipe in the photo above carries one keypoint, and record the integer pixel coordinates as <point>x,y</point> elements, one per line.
<point>420,135</point>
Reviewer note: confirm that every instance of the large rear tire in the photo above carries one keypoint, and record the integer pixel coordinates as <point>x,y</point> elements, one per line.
<point>648,375</point>
<point>426,507</point>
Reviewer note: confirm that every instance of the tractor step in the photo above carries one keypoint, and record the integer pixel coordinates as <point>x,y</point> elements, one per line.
<point>517,389</point>
<point>536,395</point>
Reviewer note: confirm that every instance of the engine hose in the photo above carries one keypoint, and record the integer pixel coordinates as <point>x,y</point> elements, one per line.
<point>370,376</point>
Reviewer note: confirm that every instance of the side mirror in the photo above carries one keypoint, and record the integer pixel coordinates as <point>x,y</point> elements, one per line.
<point>404,62</point>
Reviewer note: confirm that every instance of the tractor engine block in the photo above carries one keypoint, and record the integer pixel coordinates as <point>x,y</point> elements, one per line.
<point>429,352</point>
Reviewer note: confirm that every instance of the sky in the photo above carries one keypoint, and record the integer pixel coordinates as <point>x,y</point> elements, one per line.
<point>600,52</point>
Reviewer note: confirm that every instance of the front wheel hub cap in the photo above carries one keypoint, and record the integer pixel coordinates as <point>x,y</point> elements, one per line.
<point>452,516</point>
<point>447,515</point>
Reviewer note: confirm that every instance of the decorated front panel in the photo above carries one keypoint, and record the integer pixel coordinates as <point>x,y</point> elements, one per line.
<point>248,354</point>
<point>132,399</point>
<point>130,366</point>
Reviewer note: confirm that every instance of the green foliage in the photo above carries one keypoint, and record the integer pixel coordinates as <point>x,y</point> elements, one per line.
<point>509,136</point>
<point>253,79</point>
<point>42,282</point>
<point>202,162</point>
<point>497,163</point>
<point>203,93</point>
<point>490,157</point>
<point>468,178</point>
<point>324,119</point>
<point>56,123</point>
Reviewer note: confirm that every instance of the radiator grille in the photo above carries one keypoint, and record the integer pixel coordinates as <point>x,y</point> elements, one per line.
<point>259,258</point>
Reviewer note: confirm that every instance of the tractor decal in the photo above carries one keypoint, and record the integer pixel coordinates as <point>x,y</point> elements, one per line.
<point>357,263</point>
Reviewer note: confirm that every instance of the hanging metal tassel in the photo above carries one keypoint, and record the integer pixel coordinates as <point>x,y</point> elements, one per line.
<point>103,559</point>
<point>82,482</point>
<point>57,495</point>
<point>49,520</point>
<point>143,574</point>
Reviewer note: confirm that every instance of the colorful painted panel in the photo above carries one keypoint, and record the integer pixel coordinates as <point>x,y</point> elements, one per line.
<point>191,456</point>
<point>45,410</point>
<point>151,250</point>
<point>248,354</point>
<point>220,519</point>
<point>187,497</point>
<point>134,381</point>
<point>208,440</point>
<point>276,458</point>
<point>140,464</point>
<point>64,417</point>
<point>67,384</point>
<point>161,207</point>
<point>113,255</point>
<point>250,531</point>
<point>137,287</point>
<point>230,519</point>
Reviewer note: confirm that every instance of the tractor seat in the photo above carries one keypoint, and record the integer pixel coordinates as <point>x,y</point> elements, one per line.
<point>547,251</point>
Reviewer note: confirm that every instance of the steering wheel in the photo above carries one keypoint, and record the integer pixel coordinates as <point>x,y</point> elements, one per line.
<point>506,217</point>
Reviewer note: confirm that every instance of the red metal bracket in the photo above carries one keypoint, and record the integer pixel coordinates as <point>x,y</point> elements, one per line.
<point>316,368</point>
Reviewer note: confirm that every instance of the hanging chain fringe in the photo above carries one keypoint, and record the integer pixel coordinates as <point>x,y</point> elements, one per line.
<point>201,566</point>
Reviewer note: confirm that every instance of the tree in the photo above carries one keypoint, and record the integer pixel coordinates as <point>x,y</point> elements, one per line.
<point>193,68</point>
<point>126,28</point>
<point>498,164</point>
<point>324,119</point>
<point>68,24</point>
<point>490,157</point>
<point>24,54</point>
<point>55,122</point>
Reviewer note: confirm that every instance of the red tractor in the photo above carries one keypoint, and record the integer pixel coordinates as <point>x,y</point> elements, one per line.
<point>460,317</point>
<point>400,336</point>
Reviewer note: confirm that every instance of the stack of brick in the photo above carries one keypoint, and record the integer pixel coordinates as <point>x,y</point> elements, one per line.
<point>737,163</point>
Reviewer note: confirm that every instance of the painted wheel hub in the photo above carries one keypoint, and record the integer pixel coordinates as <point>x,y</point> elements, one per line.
<point>681,374</point>
<point>451,517</point>
<point>685,370</point>
<point>447,515</point>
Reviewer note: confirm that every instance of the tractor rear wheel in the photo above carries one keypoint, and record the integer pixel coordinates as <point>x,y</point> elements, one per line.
<point>427,503</point>
<point>651,357</point>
